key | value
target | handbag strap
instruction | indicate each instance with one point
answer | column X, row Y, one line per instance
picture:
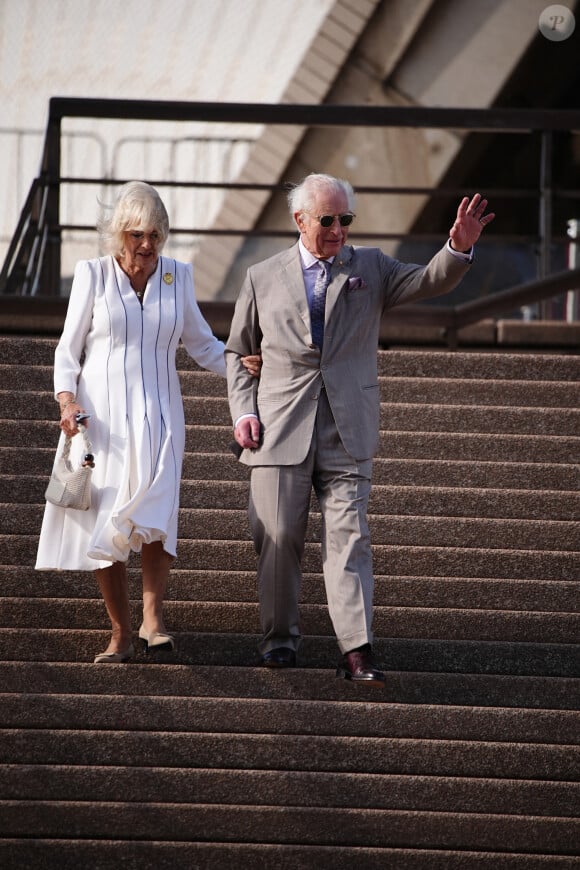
column 68, row 441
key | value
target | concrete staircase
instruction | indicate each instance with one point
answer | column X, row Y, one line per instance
column 470, row 756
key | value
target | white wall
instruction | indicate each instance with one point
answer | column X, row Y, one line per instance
column 194, row 50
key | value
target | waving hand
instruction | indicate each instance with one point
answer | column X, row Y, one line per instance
column 470, row 221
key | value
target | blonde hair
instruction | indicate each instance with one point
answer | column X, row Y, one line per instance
column 137, row 206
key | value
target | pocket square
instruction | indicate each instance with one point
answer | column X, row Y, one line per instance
column 356, row 283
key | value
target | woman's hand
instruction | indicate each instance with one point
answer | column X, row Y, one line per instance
column 68, row 422
column 253, row 364
column 69, row 408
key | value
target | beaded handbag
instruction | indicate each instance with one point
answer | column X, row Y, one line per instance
column 70, row 487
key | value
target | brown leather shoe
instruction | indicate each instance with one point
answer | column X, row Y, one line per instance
column 281, row 657
column 358, row 665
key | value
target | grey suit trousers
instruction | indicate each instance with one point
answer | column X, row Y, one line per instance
column 279, row 504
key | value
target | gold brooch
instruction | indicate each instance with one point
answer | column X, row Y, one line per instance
column 168, row 278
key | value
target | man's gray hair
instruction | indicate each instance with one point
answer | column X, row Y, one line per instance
column 301, row 197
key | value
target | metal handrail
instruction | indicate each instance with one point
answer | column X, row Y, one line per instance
column 315, row 115
column 42, row 249
column 448, row 318
column 452, row 318
column 40, row 259
column 35, row 263
column 16, row 256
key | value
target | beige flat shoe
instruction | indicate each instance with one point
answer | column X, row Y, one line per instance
column 115, row 658
column 156, row 641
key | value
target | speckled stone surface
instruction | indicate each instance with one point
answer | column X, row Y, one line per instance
column 200, row 758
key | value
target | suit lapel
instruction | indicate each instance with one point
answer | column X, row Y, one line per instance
column 339, row 276
column 294, row 280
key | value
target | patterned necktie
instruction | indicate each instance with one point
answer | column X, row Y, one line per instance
column 318, row 303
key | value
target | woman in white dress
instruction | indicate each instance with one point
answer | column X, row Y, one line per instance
column 116, row 362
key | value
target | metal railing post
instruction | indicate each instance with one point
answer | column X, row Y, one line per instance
column 50, row 274
column 545, row 215
column 573, row 296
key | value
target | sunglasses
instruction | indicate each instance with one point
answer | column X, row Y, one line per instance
column 327, row 220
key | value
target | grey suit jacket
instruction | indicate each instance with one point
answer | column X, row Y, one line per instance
column 272, row 314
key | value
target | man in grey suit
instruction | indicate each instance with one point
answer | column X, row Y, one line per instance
column 312, row 418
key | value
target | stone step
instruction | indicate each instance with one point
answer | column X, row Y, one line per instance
column 36, row 382
column 456, row 446
column 378, row 755
column 390, row 590
column 310, row 825
column 468, row 756
column 450, row 365
column 394, row 416
column 396, row 530
column 70, row 854
column 475, row 447
column 218, row 467
column 490, row 419
column 539, row 658
column 291, row 788
column 21, row 351
column 248, row 716
column 435, row 502
column 388, row 559
column 502, row 675
column 405, row 502
column 406, row 389
column 481, row 392
column 421, row 622
column 410, row 530
column 243, row 617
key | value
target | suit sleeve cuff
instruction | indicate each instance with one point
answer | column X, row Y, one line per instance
column 245, row 417
column 467, row 257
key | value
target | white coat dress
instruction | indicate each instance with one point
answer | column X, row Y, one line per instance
column 118, row 358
